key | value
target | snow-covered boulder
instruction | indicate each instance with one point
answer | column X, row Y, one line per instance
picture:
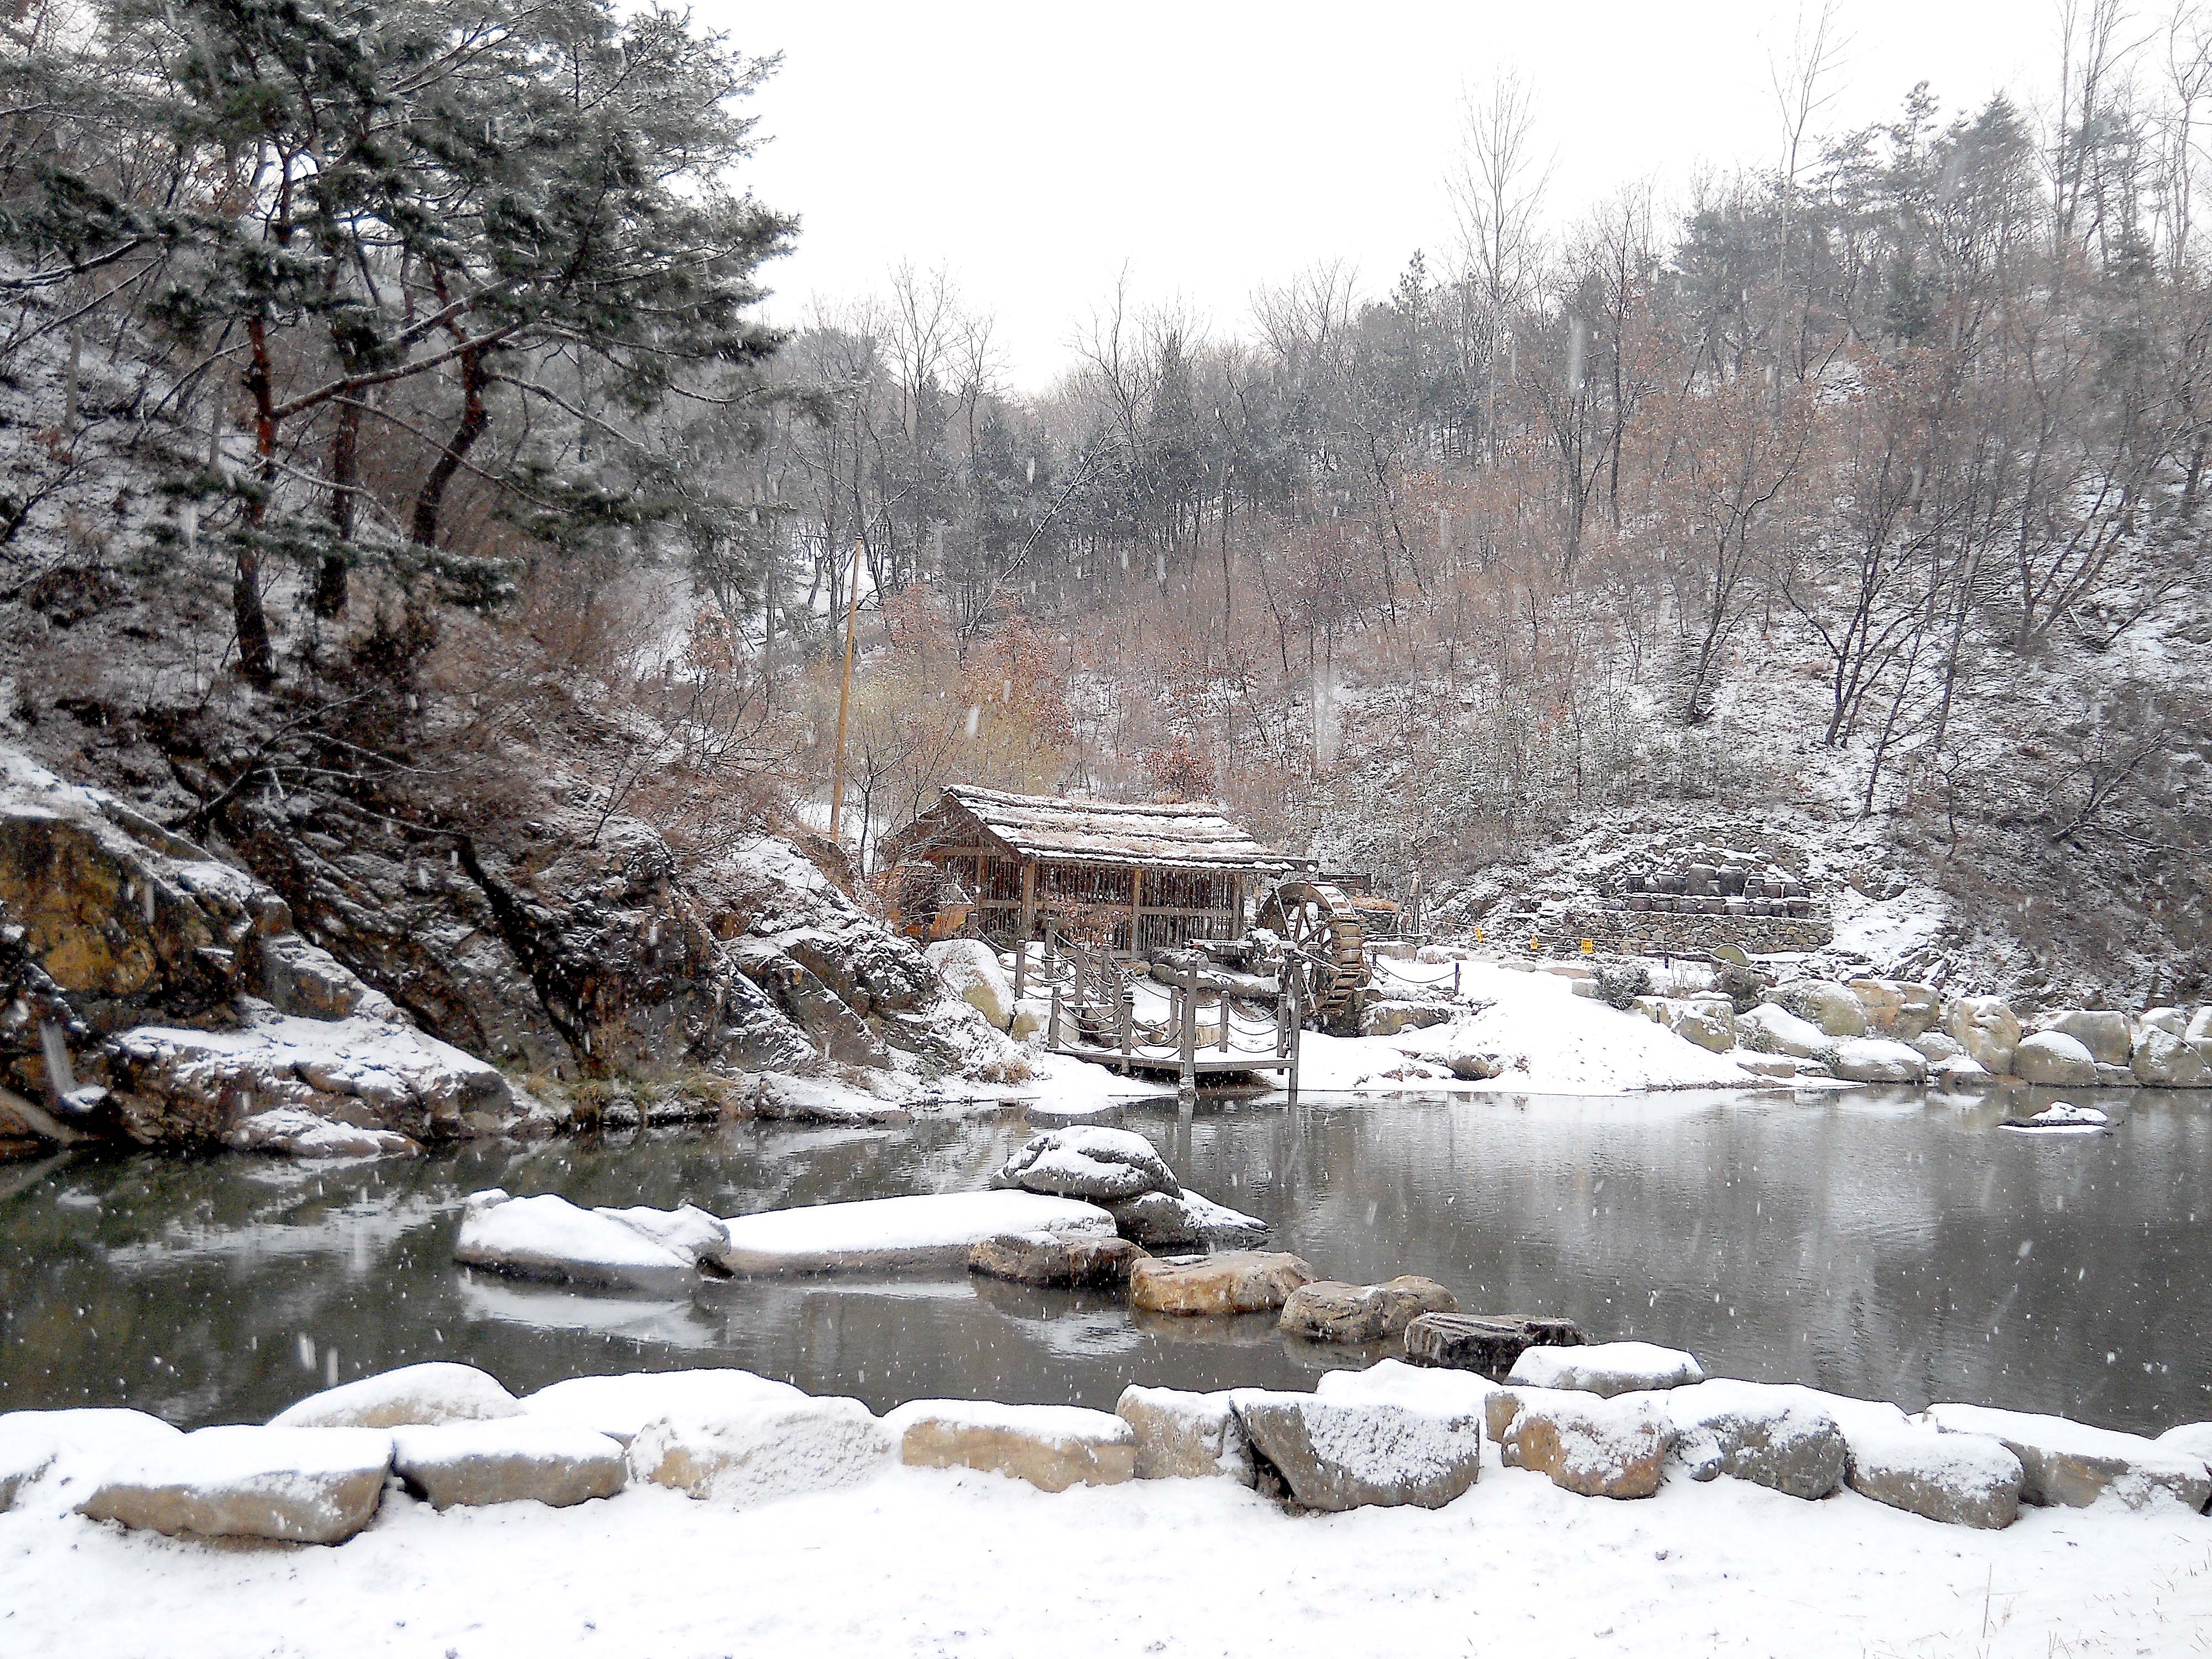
column 687, row 1229
column 437, row 1391
column 1106, row 1166
column 874, row 1234
column 2072, row 1464
column 1750, row 1431
column 295, row 1132
column 507, row 1461
column 970, row 970
column 1986, row 1027
column 1771, row 1028
column 1896, row 1008
column 302, row 1486
column 1236, row 1281
column 2055, row 1059
column 1606, row 1368
column 1833, row 1007
column 56, row 1452
column 549, row 1238
column 1585, row 1443
column 772, row 1448
column 1488, row 1343
column 2163, row 1060
column 2174, row 1022
column 1051, row 1447
column 1878, row 1059
column 1458, row 1397
column 2199, row 1029
column 1185, row 1221
column 1328, row 1310
column 2062, row 1117
column 2189, row 1440
column 1962, row 1479
column 2108, row 1035
column 1709, row 1022
column 1042, row 1258
column 1336, row 1454
column 1183, row 1435
column 619, row 1406
column 782, row 1099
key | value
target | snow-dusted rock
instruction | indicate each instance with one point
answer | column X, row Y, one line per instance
column 436, row 1392
column 1328, row 1310
column 1189, row 1221
column 783, row 1099
column 1709, row 1022
column 2108, row 1034
column 295, row 1132
column 1771, row 1028
column 507, row 1461
column 1042, row 1258
column 2199, row 1029
column 2054, row 1058
column 1183, row 1435
column 1833, row 1007
column 2069, row 1464
column 688, row 1231
column 873, row 1234
column 971, row 971
column 1896, row 1008
column 2190, row 1440
column 1051, row 1447
column 1585, row 1443
column 1106, row 1166
column 1236, row 1281
column 56, row 1452
column 1986, row 1027
column 1458, row 1397
column 772, row 1447
column 549, row 1238
column 2163, row 1060
column 302, row 1486
column 1963, row 1480
column 1389, row 1017
column 1936, row 1047
column 2174, row 1022
column 2063, row 1116
column 620, row 1405
column 1488, row 1343
column 1606, row 1368
column 1878, row 1059
column 1753, row 1432
column 1336, row 1454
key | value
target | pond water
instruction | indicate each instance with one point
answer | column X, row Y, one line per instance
column 1891, row 1246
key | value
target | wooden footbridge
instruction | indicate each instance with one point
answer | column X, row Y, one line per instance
column 1095, row 1018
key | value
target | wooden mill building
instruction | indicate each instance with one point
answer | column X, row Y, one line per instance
column 1127, row 878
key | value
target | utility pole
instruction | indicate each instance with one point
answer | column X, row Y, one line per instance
column 845, row 695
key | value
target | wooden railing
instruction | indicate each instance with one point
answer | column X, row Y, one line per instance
column 1094, row 1016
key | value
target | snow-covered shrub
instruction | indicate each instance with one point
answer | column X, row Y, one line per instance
column 1620, row 983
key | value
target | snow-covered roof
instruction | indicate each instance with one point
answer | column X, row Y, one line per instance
column 1178, row 834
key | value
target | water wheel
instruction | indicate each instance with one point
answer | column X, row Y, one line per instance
column 1322, row 929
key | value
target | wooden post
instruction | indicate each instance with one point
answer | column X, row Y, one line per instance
column 1052, row 1033
column 845, row 700
column 1136, row 911
column 1223, row 1008
column 1128, row 1014
column 1188, row 1063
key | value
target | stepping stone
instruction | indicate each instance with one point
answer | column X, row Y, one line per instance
column 1489, row 1343
column 1042, row 1258
column 1752, row 1432
column 1238, row 1281
column 1336, row 1454
column 1328, row 1310
column 438, row 1392
column 1459, row 1397
column 1051, row 1447
column 1586, row 1444
column 1606, row 1368
column 2072, row 1464
column 875, row 1235
column 620, row 1405
column 301, row 1486
column 507, row 1461
column 768, row 1447
column 1182, row 1436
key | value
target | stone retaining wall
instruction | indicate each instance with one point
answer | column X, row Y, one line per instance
column 1652, row 933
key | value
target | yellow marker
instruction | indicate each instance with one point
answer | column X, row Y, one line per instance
column 1478, row 936
column 1590, row 947
column 1536, row 944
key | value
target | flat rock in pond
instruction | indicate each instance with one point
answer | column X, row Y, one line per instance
column 2063, row 1116
column 1961, row 1479
column 619, row 1406
column 301, row 1486
column 1188, row 1221
column 1236, row 1281
column 1347, row 1454
column 1105, row 1166
column 687, row 1230
column 1750, row 1431
column 1182, row 1436
column 439, row 1391
column 771, row 1447
column 1051, row 1447
column 1584, row 1443
column 1042, row 1258
column 548, row 1237
column 934, row 1230
column 507, row 1461
column 1606, row 1368
column 1328, row 1310
column 1489, row 1343
column 1458, row 1397
column 2072, row 1464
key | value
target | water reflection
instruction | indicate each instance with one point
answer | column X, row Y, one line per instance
column 1885, row 1244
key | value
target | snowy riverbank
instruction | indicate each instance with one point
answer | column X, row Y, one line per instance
column 935, row 1562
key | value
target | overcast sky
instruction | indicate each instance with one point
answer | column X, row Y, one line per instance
column 1213, row 146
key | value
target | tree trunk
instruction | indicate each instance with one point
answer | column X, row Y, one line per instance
column 475, row 418
column 255, row 658
column 331, row 580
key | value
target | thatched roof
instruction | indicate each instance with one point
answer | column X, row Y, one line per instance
column 1180, row 834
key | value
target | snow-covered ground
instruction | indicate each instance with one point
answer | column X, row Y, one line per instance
column 932, row 1562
